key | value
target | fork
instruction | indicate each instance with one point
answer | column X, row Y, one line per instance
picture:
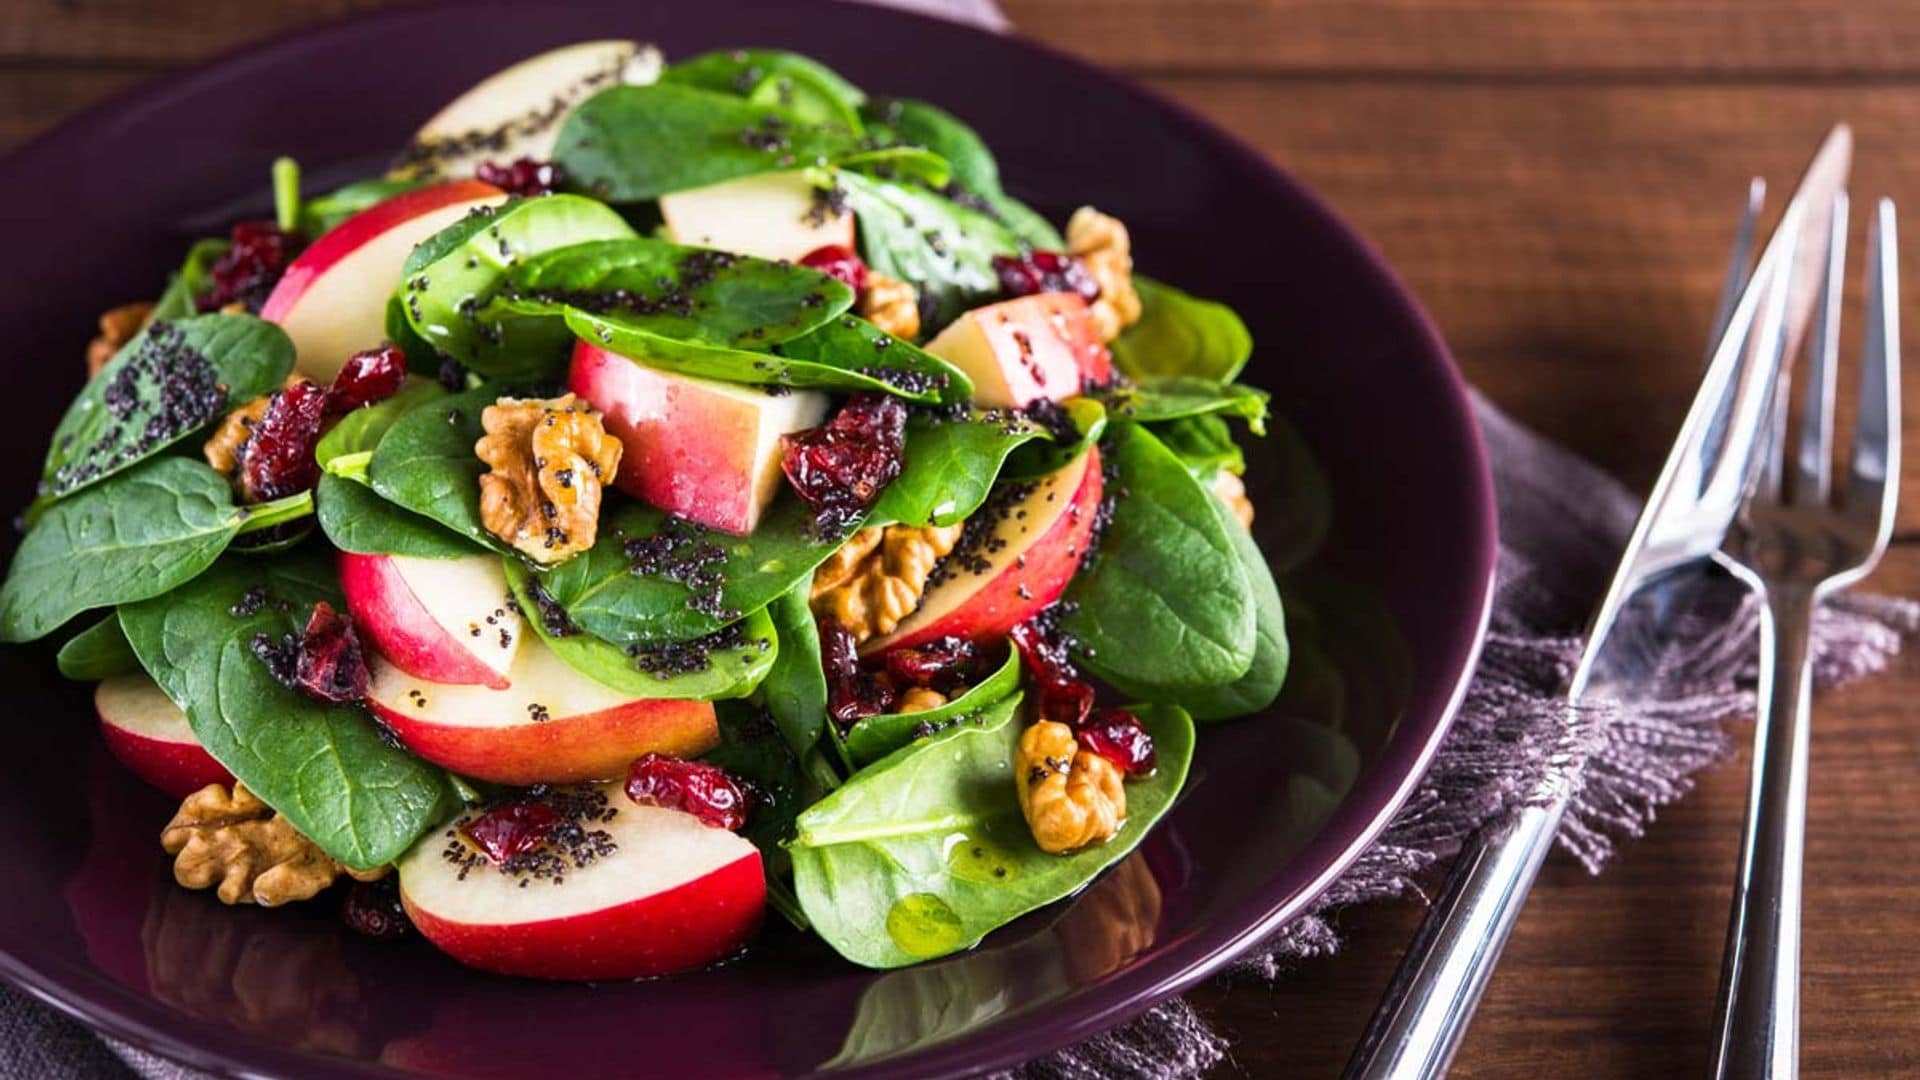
column 1796, row 543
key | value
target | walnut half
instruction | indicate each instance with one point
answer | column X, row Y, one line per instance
column 117, row 327
column 872, row 591
column 890, row 304
column 255, row 856
column 550, row 459
column 1101, row 242
column 1071, row 797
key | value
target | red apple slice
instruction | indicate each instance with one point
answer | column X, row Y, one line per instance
column 1030, row 347
column 151, row 736
column 553, row 724
column 708, row 451
column 332, row 301
column 1034, row 550
column 673, row 894
column 767, row 216
column 444, row 620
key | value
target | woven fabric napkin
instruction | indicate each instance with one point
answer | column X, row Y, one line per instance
column 1562, row 525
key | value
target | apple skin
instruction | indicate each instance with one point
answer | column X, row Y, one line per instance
column 151, row 737
column 1026, row 574
column 631, row 928
column 332, row 300
column 395, row 622
column 1030, row 347
column 705, row 450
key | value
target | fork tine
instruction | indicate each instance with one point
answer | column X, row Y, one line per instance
column 1739, row 263
column 1813, row 470
column 1771, row 345
column 1876, row 436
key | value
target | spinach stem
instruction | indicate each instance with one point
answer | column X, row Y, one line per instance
column 780, row 898
column 821, row 771
column 286, row 194
column 350, row 466
column 268, row 514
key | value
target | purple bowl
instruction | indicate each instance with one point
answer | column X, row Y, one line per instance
column 1389, row 614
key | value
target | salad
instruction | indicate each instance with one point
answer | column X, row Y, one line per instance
column 673, row 491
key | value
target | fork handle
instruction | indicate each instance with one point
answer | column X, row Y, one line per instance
column 1759, row 1009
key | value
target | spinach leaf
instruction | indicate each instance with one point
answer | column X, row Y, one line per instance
column 1258, row 688
column 975, row 172
column 1164, row 604
column 924, row 852
column 1180, row 334
column 803, row 86
column 194, row 278
column 98, row 652
column 321, row 213
column 875, row 737
column 633, row 143
column 360, row 431
column 425, row 463
column 752, row 750
column 796, row 687
column 357, row 520
column 1089, row 419
column 852, row 344
column 448, row 281
column 1204, row 444
column 950, row 467
column 324, row 766
column 138, row 535
column 943, row 248
column 172, row 379
column 682, row 580
column 735, row 665
column 1157, row 398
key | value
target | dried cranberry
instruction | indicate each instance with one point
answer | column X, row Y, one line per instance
column 330, row 665
column 1116, row 734
column 700, row 789
column 941, row 664
column 1044, row 271
column 367, row 377
column 512, row 829
column 836, row 261
column 373, row 908
column 853, row 694
column 247, row 271
column 841, row 467
column 1065, row 697
column 278, row 459
column 524, row 176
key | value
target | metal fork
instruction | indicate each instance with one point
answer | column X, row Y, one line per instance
column 1794, row 543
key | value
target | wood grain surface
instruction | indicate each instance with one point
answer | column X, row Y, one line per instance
column 1557, row 180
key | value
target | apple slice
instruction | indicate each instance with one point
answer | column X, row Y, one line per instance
column 672, row 894
column 1021, row 566
column 151, row 736
column 553, row 724
column 444, row 620
column 708, row 451
column 1030, row 347
column 332, row 301
column 768, row 216
column 517, row 113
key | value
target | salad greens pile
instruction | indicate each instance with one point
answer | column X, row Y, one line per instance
column 895, row 836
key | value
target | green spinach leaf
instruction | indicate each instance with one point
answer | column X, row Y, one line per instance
column 810, row 90
column 950, row 467
column 875, row 737
column 1181, row 334
column 1204, row 444
column 975, row 172
column 194, row 278
column 1040, row 459
column 324, row 766
column 360, row 431
column 920, row 236
column 321, row 213
column 1164, row 605
column 425, row 463
column 356, row 519
column 98, row 652
column 924, row 852
column 1157, row 398
column 850, row 344
column 751, row 749
column 796, row 688
column 171, row 380
column 1258, row 688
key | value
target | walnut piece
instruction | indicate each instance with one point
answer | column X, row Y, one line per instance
column 845, row 560
column 919, row 699
column 229, row 440
column 883, row 586
column 550, row 459
column 1071, row 797
column 117, row 327
column 1232, row 490
column 1101, row 242
column 254, row 855
column 890, row 304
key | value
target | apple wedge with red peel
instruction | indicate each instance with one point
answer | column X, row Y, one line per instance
column 517, row 112
column 552, row 724
column 1018, row 351
column 708, row 451
column 768, row 216
column 444, row 620
column 151, row 736
column 332, row 301
column 671, row 895
column 999, row 579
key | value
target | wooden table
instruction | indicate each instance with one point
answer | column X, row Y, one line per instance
column 1557, row 180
